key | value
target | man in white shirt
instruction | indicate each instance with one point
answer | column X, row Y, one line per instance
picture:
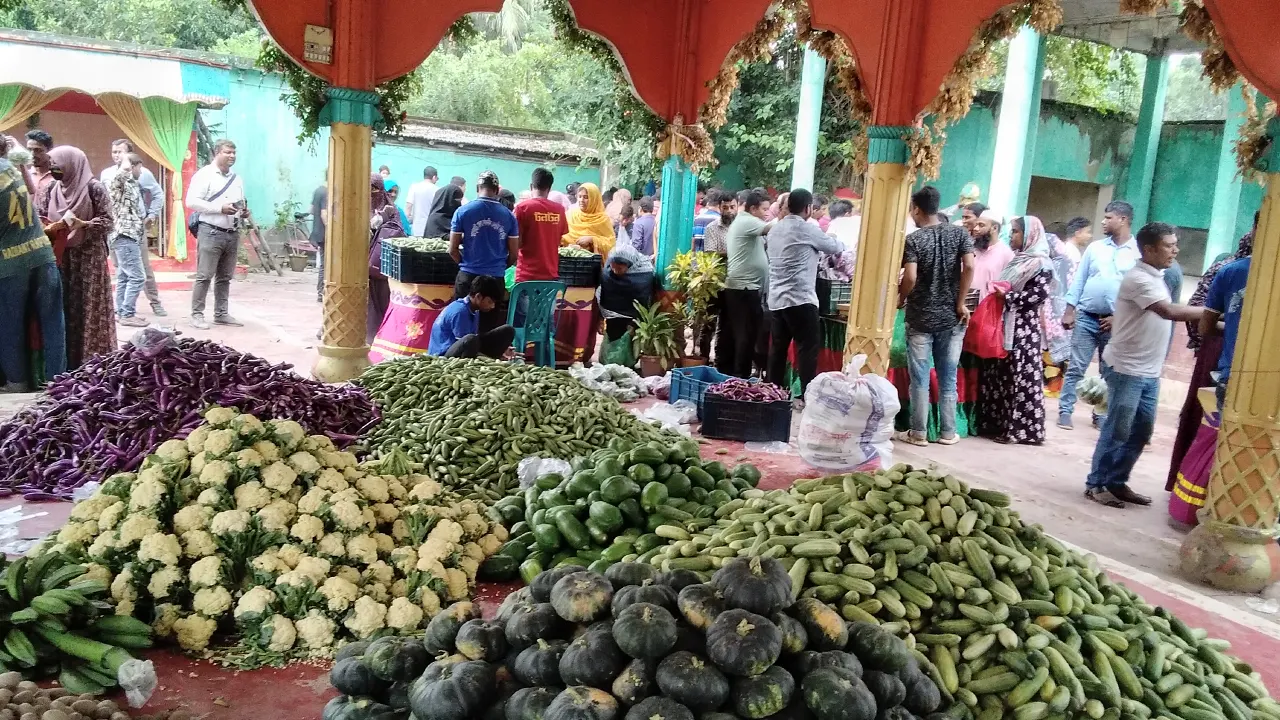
column 152, row 202
column 418, row 204
column 1134, row 358
column 844, row 224
column 217, row 194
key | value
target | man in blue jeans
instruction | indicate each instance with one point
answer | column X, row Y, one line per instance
column 1134, row 358
column 127, row 242
column 937, row 265
column 30, row 285
column 1091, row 301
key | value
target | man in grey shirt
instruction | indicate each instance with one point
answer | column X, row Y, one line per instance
column 794, row 245
column 152, row 202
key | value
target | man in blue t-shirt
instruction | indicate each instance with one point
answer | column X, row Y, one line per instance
column 456, row 331
column 483, row 240
column 1224, row 303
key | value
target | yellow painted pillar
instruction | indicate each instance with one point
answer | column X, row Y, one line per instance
column 343, row 352
column 1234, row 546
column 874, row 301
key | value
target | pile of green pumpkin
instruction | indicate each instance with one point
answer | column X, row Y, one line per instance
column 634, row 643
column 621, row 503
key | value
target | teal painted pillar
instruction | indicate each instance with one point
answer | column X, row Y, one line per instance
column 1146, row 139
column 1226, row 191
column 1016, row 129
column 813, row 79
column 675, row 220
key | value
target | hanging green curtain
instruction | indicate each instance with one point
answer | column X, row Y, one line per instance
column 171, row 124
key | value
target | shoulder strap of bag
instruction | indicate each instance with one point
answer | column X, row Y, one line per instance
column 218, row 194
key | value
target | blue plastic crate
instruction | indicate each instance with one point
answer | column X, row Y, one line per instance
column 691, row 383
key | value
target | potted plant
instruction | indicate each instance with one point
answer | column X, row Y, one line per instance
column 654, row 339
column 699, row 277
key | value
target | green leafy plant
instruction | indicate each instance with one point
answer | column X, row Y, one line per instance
column 655, row 333
column 284, row 213
column 699, row 276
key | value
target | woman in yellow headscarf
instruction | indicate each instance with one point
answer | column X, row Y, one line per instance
column 589, row 224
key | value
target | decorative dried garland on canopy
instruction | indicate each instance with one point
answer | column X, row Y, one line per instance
column 1253, row 141
column 955, row 96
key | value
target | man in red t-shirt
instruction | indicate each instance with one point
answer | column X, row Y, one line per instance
column 542, row 223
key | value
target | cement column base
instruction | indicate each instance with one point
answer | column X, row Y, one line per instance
column 340, row 364
column 1230, row 557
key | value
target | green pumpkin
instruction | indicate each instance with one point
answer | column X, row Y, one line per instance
column 763, row 695
column 923, row 696
column 629, row 595
column 352, row 676
column 678, row 579
column 540, row 588
column 717, row 716
column 700, row 605
column 539, row 664
column 692, row 681
column 455, row 691
column 352, row 649
column 887, row 689
column 743, row 643
column 635, row 682
column 593, row 658
column 358, row 708
column 794, row 636
column 629, row 573
column 480, row 640
column 826, row 629
column 659, row 708
column 582, row 703
column 808, row 660
column 443, row 628
column 759, row 585
column 398, row 695
column 835, row 693
column 689, row 639
column 530, row 703
column 397, row 659
column 582, row 597
column 877, row 649
column 530, row 623
column 645, row 630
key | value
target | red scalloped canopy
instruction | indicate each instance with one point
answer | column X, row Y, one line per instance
column 673, row 48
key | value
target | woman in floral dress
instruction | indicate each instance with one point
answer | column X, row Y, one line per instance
column 1013, row 387
column 87, row 298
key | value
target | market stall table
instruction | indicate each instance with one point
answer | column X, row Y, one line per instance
column 406, row 328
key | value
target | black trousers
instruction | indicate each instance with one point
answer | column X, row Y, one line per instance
column 491, row 344
column 740, row 315
column 704, row 340
column 763, row 333
column 488, row 320
column 799, row 323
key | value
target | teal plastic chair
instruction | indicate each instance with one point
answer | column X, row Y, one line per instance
column 539, row 321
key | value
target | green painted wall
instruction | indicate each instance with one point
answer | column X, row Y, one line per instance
column 1182, row 193
column 276, row 169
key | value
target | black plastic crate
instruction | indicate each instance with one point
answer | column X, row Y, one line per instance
column 412, row 266
column 725, row 419
column 831, row 295
column 580, row 271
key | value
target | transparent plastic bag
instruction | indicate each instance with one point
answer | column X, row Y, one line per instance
column 138, row 680
column 532, row 468
column 848, row 419
column 154, row 340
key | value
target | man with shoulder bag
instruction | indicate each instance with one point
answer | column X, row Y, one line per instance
column 216, row 202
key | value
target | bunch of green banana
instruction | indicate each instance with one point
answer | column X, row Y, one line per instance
column 54, row 621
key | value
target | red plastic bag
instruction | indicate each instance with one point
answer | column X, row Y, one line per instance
column 985, row 336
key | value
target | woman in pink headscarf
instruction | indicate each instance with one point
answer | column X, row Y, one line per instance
column 1013, row 386
column 77, row 197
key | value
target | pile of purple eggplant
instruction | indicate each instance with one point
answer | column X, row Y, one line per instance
column 748, row 391
column 106, row 416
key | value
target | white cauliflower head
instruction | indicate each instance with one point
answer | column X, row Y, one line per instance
column 268, row 450
column 206, row 572
column 317, row 569
column 137, row 527
column 307, row 529
column 221, row 443
column 315, row 631
column 426, row 489
column 304, row 463
column 111, row 516
column 314, row 501
column 363, row 549
column 194, row 632
column 215, row 473
column 166, row 615
column 333, row 545
column 404, row 615
column 147, row 494
column 198, row 544
column 91, row 508
column 282, row 633
column 212, row 602
column 192, row 517
column 278, row 476
column 247, row 458
column 162, row 548
column 373, row 488
column 173, row 451
column 277, row 515
column 332, row 480
column 220, row 417
column 162, row 581
column 195, row 441
column 368, row 617
column 254, row 604
column 339, row 594
column 230, row 521
column 251, row 496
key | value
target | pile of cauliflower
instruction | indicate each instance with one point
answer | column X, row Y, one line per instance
column 257, row 529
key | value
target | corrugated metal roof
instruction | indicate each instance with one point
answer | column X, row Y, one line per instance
column 489, row 138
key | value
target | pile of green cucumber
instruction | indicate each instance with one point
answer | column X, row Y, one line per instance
column 1012, row 622
column 624, row 502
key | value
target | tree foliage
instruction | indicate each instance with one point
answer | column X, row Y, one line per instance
column 1190, row 96
column 1082, row 72
column 189, row 24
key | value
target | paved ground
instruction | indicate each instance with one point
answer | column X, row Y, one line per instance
column 1136, row 545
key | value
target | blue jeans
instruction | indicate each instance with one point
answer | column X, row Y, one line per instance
column 1131, row 417
column 36, row 292
column 944, row 349
column 130, row 275
column 1086, row 339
